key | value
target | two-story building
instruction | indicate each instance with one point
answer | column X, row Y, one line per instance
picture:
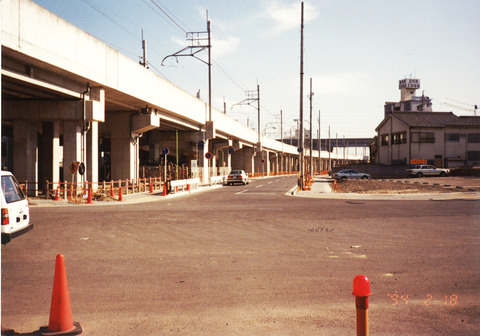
column 407, row 136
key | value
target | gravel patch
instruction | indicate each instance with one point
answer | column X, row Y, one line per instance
column 388, row 187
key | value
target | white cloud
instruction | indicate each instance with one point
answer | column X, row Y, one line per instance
column 288, row 16
column 222, row 47
column 342, row 83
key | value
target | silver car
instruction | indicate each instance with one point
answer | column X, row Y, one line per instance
column 350, row 174
column 238, row 176
column 427, row 170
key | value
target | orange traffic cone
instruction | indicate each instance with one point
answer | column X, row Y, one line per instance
column 164, row 193
column 61, row 321
column 111, row 190
column 151, row 187
column 120, row 194
column 188, row 187
column 57, row 193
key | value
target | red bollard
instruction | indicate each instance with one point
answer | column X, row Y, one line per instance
column 361, row 290
column 89, row 199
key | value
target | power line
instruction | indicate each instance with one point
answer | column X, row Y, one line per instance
column 168, row 16
column 109, row 18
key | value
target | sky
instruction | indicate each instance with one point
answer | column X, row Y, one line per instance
column 355, row 52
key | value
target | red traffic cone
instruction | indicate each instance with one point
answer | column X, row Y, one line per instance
column 151, row 187
column 57, row 193
column 188, row 187
column 164, row 193
column 61, row 321
column 120, row 194
column 111, row 190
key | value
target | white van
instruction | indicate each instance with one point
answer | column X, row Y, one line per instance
column 15, row 210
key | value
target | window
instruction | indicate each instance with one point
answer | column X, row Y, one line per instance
column 399, row 138
column 423, row 137
column 11, row 189
column 473, row 156
column 474, row 138
column 452, row 137
column 385, row 140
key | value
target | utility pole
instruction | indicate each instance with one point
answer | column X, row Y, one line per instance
column 259, row 145
column 329, row 148
column 319, row 145
column 143, row 60
column 196, row 39
column 311, row 131
column 336, row 146
column 300, row 140
column 281, row 139
column 252, row 97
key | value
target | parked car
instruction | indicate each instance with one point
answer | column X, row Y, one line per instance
column 350, row 174
column 15, row 210
column 238, row 176
column 426, row 170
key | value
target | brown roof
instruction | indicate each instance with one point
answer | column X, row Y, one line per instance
column 435, row 119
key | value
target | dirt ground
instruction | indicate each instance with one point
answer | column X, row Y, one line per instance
column 387, row 187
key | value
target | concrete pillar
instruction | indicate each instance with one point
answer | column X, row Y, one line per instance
column 57, row 155
column 277, row 169
column 124, row 152
column 72, row 148
column 92, row 154
column 203, row 163
column 249, row 160
column 49, row 154
column 262, row 167
column 228, row 157
column 25, row 154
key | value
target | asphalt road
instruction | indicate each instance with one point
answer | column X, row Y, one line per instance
column 250, row 260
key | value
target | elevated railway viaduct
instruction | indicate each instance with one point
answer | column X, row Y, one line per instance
column 67, row 97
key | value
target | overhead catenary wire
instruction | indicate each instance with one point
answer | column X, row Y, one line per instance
column 170, row 18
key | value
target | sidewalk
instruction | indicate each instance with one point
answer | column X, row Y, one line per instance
column 126, row 199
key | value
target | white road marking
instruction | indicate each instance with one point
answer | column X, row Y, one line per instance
column 241, row 192
column 261, row 185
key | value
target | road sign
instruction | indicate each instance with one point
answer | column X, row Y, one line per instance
column 81, row 168
column 165, row 151
column 74, row 167
column 208, row 155
column 201, row 144
column 231, row 150
column 299, row 149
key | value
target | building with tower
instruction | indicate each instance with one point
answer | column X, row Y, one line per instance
column 411, row 132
